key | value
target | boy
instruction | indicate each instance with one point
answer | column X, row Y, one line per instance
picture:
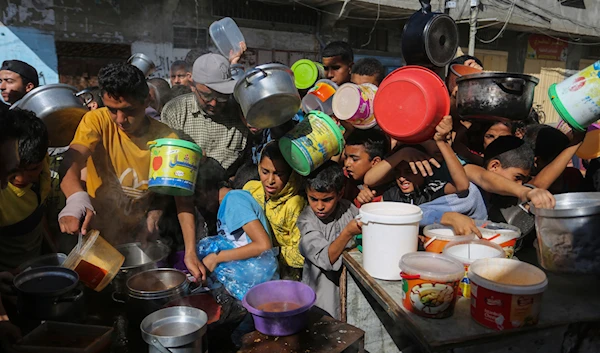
column 338, row 59
column 412, row 188
column 363, row 150
column 327, row 227
column 368, row 70
column 22, row 203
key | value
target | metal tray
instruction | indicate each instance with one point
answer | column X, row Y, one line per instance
column 60, row 337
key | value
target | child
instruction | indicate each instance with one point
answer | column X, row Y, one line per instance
column 22, row 211
column 278, row 194
column 338, row 59
column 327, row 228
column 364, row 149
column 412, row 188
column 368, row 70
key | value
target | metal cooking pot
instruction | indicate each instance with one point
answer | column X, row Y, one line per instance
column 179, row 329
column 429, row 38
column 267, row 95
column 49, row 293
column 567, row 235
column 142, row 62
column 55, row 259
column 58, row 107
column 150, row 290
column 495, row 95
column 138, row 260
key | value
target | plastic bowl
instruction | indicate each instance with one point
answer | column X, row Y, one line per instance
column 280, row 323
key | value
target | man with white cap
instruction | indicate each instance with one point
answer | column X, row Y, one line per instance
column 206, row 116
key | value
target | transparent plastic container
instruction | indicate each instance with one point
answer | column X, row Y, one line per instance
column 96, row 261
column 226, row 35
column 320, row 97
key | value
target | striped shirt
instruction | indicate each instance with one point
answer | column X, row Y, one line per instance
column 222, row 137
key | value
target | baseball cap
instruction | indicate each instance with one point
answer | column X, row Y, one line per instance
column 22, row 68
column 212, row 70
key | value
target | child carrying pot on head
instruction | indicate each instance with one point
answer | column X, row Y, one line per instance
column 278, row 193
column 328, row 228
column 413, row 188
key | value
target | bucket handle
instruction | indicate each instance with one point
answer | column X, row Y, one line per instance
column 115, row 297
column 156, row 343
column 429, row 242
column 252, row 73
column 70, row 298
column 151, row 143
column 359, row 218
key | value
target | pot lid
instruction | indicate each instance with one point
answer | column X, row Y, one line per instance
column 441, row 39
column 306, row 73
column 156, row 281
column 498, row 75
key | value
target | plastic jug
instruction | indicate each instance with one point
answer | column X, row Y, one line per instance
column 95, row 261
column 226, row 35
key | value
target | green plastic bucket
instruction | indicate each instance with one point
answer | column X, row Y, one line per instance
column 306, row 73
column 577, row 98
column 311, row 143
column 173, row 166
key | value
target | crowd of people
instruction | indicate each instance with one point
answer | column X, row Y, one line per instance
column 246, row 191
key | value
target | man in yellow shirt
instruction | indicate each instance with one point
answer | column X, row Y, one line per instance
column 116, row 138
column 22, row 203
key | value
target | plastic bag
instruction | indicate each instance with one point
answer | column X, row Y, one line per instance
column 241, row 275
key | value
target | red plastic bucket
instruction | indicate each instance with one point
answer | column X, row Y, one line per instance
column 410, row 102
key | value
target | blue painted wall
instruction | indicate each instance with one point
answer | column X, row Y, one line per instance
column 33, row 47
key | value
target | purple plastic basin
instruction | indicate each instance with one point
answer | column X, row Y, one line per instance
column 283, row 323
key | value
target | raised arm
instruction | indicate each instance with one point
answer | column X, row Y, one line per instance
column 460, row 182
column 547, row 176
column 78, row 202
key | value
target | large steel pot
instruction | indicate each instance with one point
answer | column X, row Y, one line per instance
column 429, row 38
column 58, row 107
column 267, row 95
column 151, row 290
column 49, row 293
column 179, row 329
column 137, row 260
column 495, row 95
column 142, row 62
column 567, row 235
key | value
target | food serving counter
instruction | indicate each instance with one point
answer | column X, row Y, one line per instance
column 569, row 319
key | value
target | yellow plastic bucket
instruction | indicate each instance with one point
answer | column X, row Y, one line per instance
column 173, row 166
column 311, row 143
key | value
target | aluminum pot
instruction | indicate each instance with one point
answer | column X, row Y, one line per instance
column 142, row 62
column 59, row 108
column 55, row 259
column 137, row 260
column 49, row 293
column 151, row 290
column 567, row 235
column 429, row 38
column 495, row 95
column 267, row 95
column 179, row 329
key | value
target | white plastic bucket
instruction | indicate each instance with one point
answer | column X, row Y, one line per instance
column 505, row 293
column 577, row 99
column 390, row 230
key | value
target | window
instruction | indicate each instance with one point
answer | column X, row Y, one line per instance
column 359, row 36
column 295, row 14
column 189, row 37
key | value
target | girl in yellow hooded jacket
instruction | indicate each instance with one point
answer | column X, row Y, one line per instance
column 278, row 193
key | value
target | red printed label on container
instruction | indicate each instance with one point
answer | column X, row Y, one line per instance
column 90, row 274
column 501, row 311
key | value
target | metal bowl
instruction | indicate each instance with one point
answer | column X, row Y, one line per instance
column 142, row 62
column 567, row 235
column 58, row 107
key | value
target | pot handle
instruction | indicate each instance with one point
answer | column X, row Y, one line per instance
column 115, row 296
column 252, row 73
column 359, row 218
column 512, row 85
column 197, row 288
column 70, row 298
column 425, row 6
column 156, row 343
